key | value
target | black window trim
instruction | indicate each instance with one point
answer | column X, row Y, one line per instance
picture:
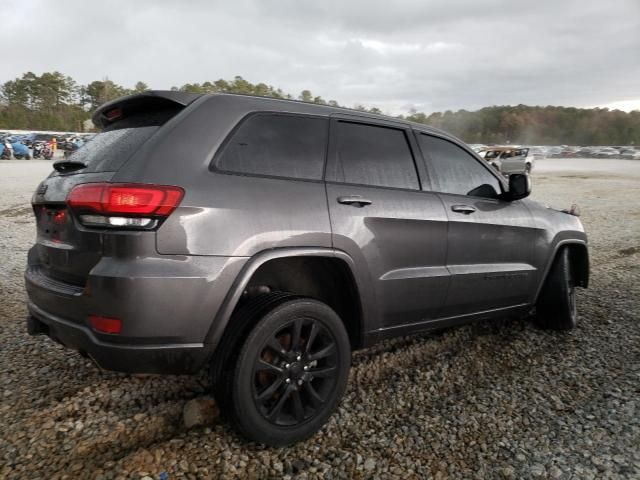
column 213, row 167
column 363, row 120
column 429, row 166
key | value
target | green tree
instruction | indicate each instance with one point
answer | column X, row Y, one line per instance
column 140, row 87
column 53, row 101
column 305, row 96
column 53, row 89
column 101, row 91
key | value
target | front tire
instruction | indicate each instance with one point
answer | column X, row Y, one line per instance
column 556, row 306
column 291, row 373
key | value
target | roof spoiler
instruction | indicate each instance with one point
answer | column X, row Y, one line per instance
column 110, row 112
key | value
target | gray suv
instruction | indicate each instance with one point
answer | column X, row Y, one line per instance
column 266, row 239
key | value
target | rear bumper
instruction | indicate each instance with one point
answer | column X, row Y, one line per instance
column 166, row 359
column 166, row 305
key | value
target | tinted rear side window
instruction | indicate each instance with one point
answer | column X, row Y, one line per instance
column 373, row 155
column 109, row 150
column 456, row 171
column 277, row 145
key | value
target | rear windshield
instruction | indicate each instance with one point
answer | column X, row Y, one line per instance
column 109, row 150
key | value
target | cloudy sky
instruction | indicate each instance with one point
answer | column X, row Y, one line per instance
column 424, row 54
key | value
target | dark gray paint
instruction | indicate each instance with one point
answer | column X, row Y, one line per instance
column 416, row 263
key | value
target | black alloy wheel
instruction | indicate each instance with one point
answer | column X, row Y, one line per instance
column 290, row 373
column 294, row 372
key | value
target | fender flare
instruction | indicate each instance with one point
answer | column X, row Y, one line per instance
column 556, row 249
column 222, row 318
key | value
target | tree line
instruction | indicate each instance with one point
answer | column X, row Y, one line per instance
column 56, row 102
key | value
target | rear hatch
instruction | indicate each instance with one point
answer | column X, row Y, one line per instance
column 66, row 250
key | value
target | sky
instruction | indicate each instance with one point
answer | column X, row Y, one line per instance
column 395, row 55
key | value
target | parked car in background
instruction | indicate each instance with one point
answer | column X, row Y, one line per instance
column 290, row 235
column 476, row 147
column 509, row 160
column 537, row 153
column 553, row 152
column 26, row 140
column 42, row 137
column 42, row 149
column 606, row 152
column 6, row 150
column 73, row 144
column 629, row 153
column 586, row 152
column 20, row 150
column 569, row 152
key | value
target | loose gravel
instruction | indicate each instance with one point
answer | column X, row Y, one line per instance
column 498, row 399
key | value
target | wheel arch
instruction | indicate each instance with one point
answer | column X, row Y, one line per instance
column 264, row 263
column 578, row 261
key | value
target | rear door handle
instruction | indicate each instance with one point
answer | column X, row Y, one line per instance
column 466, row 209
column 354, row 200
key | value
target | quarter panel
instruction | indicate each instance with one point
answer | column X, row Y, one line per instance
column 226, row 214
column 235, row 215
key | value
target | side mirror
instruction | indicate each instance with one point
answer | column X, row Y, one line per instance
column 519, row 186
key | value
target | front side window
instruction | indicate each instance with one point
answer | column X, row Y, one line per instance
column 456, row 171
column 373, row 155
column 277, row 145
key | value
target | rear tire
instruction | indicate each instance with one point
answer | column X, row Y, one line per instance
column 556, row 306
column 290, row 372
column 240, row 325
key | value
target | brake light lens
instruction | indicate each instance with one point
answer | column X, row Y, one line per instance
column 129, row 199
column 105, row 324
column 123, row 205
column 113, row 114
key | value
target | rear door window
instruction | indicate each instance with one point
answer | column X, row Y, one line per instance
column 278, row 145
column 372, row 155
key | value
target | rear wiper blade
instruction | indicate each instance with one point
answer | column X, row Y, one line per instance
column 65, row 166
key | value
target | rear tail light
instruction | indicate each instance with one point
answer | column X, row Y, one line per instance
column 105, row 324
column 123, row 205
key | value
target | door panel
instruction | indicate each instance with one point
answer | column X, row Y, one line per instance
column 393, row 230
column 490, row 241
column 400, row 238
column 514, row 161
column 511, row 165
column 490, row 254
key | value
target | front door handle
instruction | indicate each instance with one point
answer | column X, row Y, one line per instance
column 354, row 200
column 466, row 209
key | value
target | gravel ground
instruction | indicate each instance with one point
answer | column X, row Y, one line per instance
column 491, row 400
